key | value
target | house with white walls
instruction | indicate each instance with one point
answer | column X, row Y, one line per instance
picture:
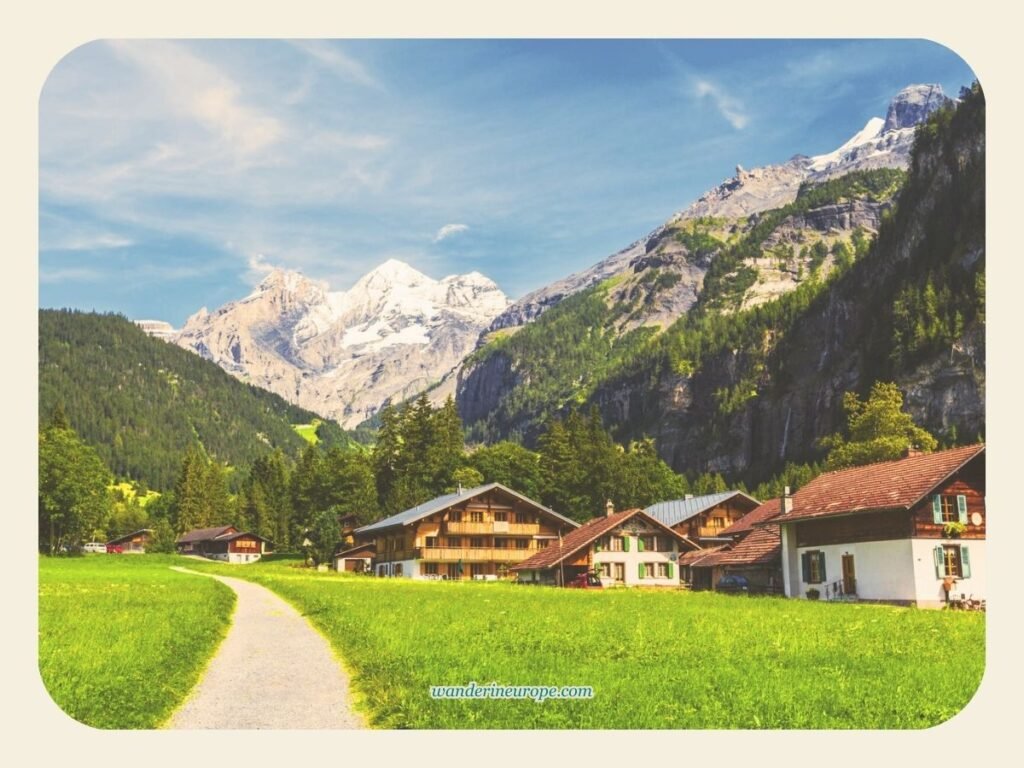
column 909, row 531
column 628, row 548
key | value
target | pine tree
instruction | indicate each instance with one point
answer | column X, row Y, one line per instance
column 189, row 502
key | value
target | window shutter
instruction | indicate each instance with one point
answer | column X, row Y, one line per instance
column 965, row 562
column 821, row 566
column 937, row 509
column 625, row 543
column 639, row 544
column 805, row 567
column 940, row 563
column 671, row 571
column 961, row 508
column 641, row 569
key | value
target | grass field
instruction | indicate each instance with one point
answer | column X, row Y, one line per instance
column 655, row 659
column 122, row 639
column 308, row 431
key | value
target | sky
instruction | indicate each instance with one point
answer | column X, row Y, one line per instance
column 174, row 174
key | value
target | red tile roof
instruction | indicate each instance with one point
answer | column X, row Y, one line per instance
column 586, row 534
column 761, row 547
column 898, row 484
column 745, row 524
column 699, row 556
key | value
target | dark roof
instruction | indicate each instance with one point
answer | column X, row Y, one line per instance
column 428, row 508
column 127, row 536
column 898, row 484
column 238, row 535
column 763, row 546
column 203, row 534
column 586, row 534
column 359, row 548
column 676, row 511
column 745, row 524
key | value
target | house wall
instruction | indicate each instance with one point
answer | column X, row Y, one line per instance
column 883, row 569
column 234, row 557
column 928, row 591
column 352, row 564
column 632, row 559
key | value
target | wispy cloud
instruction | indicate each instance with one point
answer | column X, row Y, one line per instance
column 448, row 230
column 729, row 107
column 331, row 57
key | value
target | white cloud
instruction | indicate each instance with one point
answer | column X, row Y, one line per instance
column 330, row 56
column 730, row 108
column 448, row 230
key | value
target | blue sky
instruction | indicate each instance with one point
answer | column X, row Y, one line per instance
column 174, row 174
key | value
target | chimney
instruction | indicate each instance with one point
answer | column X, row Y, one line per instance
column 609, row 508
column 912, row 450
column 458, row 491
column 787, row 501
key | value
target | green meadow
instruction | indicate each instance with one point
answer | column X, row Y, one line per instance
column 122, row 639
column 655, row 659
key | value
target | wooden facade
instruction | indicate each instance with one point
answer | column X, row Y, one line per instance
column 711, row 522
column 481, row 535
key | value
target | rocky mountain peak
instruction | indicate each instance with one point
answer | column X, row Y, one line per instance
column 912, row 105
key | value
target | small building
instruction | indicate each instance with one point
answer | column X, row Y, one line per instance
column 225, row 543
column 628, row 548
column 475, row 533
column 358, row 559
column 908, row 531
column 704, row 519
column 132, row 543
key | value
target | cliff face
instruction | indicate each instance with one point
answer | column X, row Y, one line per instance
column 932, row 245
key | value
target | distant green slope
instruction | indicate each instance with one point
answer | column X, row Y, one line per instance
column 141, row 401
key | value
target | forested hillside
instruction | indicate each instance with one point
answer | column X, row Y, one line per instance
column 141, row 402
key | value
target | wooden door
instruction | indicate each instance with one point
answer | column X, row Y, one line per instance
column 849, row 576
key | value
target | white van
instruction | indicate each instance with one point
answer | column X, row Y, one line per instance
column 95, row 546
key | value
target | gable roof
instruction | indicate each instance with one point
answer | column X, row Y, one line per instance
column 128, row 536
column 368, row 547
column 699, row 556
column 745, row 524
column 585, row 535
column 441, row 503
column 898, row 484
column 228, row 536
column 203, row 534
column 763, row 546
column 677, row 510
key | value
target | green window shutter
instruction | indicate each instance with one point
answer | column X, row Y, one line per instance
column 937, row 509
column 671, row 571
column 961, row 508
column 940, row 563
column 805, row 567
column 639, row 544
column 821, row 566
column 965, row 562
column 625, row 543
column 641, row 569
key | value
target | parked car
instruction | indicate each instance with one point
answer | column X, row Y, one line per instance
column 733, row 583
column 114, row 549
column 95, row 546
column 586, row 581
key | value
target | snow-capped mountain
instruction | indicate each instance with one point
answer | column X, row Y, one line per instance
column 882, row 143
column 345, row 353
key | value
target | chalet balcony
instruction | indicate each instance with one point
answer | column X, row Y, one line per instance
column 496, row 527
column 454, row 554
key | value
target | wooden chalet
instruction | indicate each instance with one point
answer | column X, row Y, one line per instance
column 478, row 533
column 628, row 548
column 225, row 543
column 910, row 531
column 704, row 519
column 357, row 559
column 133, row 543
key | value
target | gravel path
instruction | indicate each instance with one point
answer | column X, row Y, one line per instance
column 273, row 670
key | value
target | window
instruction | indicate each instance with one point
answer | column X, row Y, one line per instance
column 455, row 541
column 501, row 543
column 813, row 567
column 398, row 569
column 542, row 543
column 718, row 523
column 522, row 543
column 476, row 569
column 501, row 517
column 619, row 572
column 476, row 517
column 613, row 543
column 455, row 516
column 431, row 542
column 949, row 509
column 454, row 571
column 952, row 560
column 522, row 517
column 661, row 570
column 605, row 569
column 476, row 541
column 648, row 570
column 649, row 543
column 430, row 569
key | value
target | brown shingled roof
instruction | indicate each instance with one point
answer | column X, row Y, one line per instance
column 898, row 484
column 586, row 534
column 203, row 534
column 767, row 510
column 699, row 556
column 762, row 546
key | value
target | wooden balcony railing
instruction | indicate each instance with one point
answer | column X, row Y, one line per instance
column 454, row 554
column 496, row 528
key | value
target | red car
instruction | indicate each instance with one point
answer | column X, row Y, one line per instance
column 586, row 581
column 114, row 549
